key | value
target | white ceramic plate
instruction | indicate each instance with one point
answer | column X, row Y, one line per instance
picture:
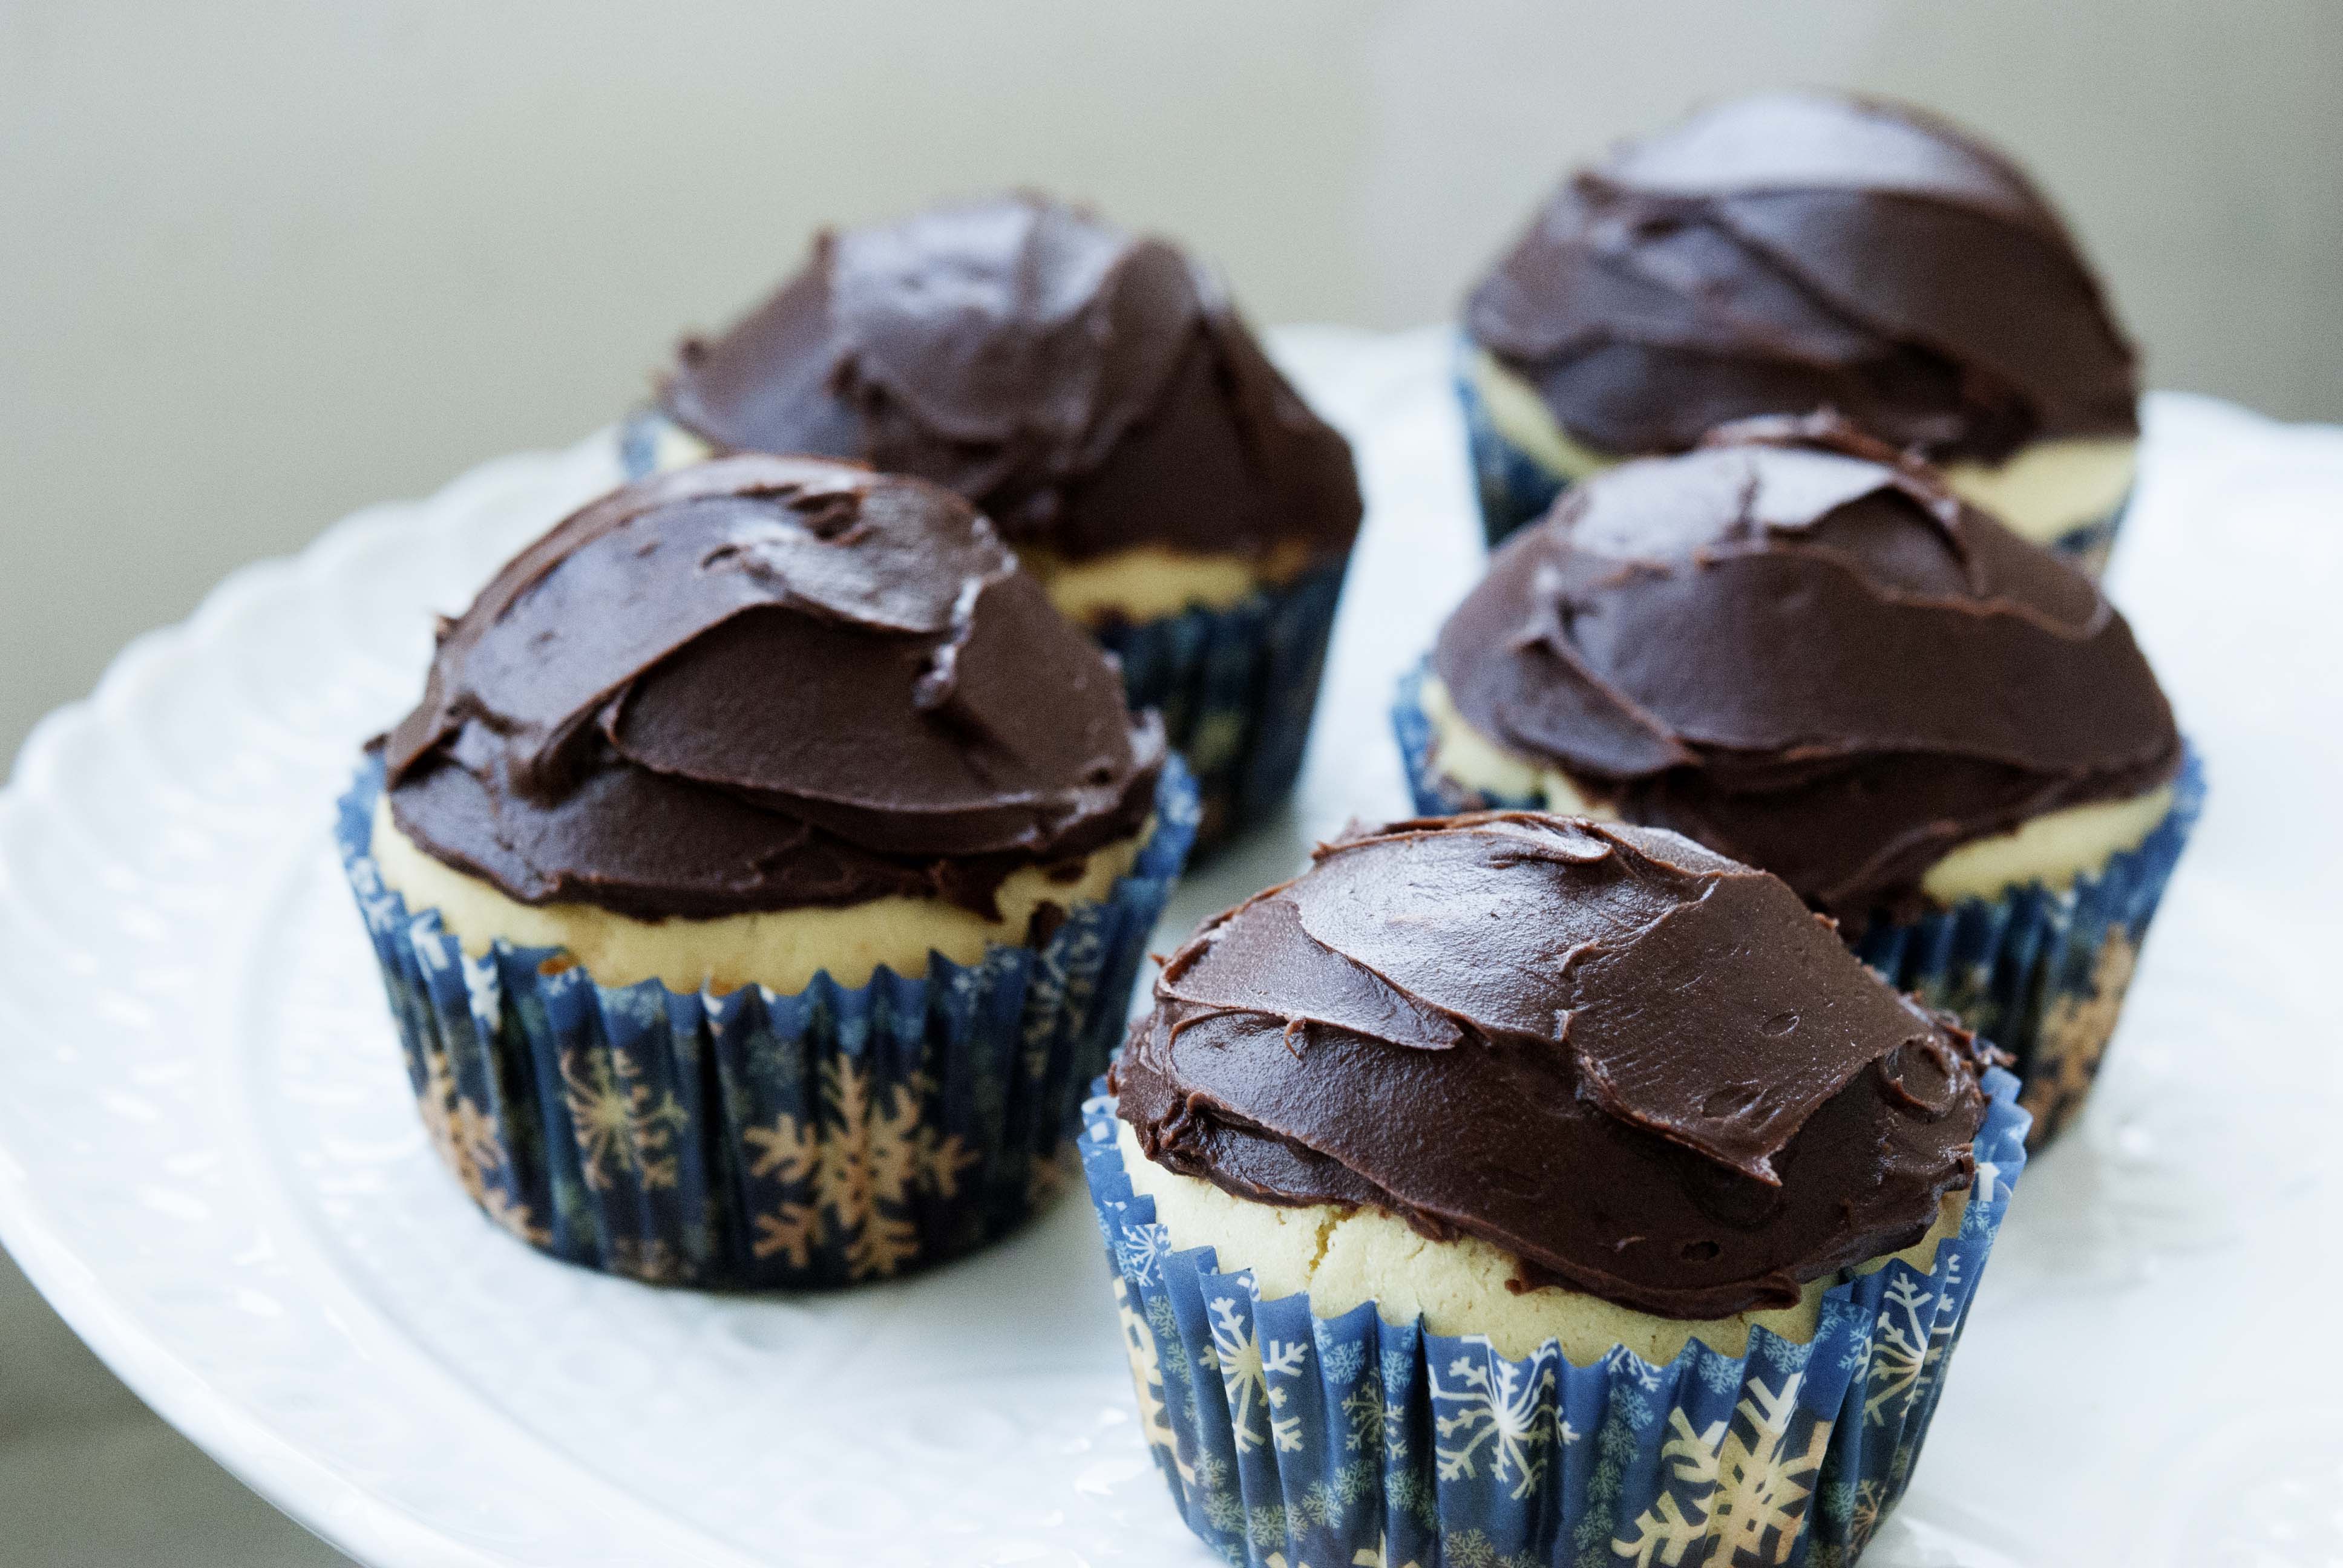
column 210, row 1163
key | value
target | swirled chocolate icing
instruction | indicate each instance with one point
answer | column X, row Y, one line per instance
column 1090, row 390
column 766, row 683
column 1801, row 649
column 1642, row 1070
column 1801, row 250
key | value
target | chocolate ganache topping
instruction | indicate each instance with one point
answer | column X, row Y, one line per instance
column 1800, row 648
column 1642, row 1070
column 1088, row 390
column 765, row 683
column 1801, row 250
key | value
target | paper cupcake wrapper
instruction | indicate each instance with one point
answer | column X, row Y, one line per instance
column 1516, row 489
column 1289, row 1439
column 1434, row 793
column 756, row 1141
column 2088, row 547
column 1237, row 687
column 638, row 440
column 2039, row 972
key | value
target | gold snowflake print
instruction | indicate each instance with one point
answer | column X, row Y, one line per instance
column 623, row 1127
column 1044, row 1182
column 853, row 1172
column 471, row 1145
column 649, row 1258
column 2074, row 1038
column 1147, row 1378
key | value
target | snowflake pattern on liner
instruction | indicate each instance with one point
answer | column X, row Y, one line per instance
column 753, row 1140
column 1289, row 1439
column 2040, row 973
column 1237, row 688
column 857, row 1171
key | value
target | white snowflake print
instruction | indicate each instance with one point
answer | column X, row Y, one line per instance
column 622, row 1126
column 1638, row 1370
column 851, row 1173
column 1736, row 1487
column 435, row 950
column 1330, row 1501
column 1501, row 1416
column 484, row 988
column 1473, row 1549
column 1908, row 1345
column 972, row 981
column 1721, row 1374
column 1856, row 1359
column 1339, row 1361
column 385, row 913
column 1044, row 992
column 1989, row 1183
column 1141, row 1250
column 1374, row 1424
column 1247, row 1365
column 1166, row 1325
column 1267, row 1523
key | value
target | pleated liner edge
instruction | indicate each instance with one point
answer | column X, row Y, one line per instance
column 759, row 1141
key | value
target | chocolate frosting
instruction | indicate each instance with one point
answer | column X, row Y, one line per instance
column 1088, row 390
column 1801, row 649
column 1642, row 1070
column 1801, row 250
column 764, row 683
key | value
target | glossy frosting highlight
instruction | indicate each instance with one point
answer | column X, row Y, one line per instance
column 1090, row 389
column 766, row 683
column 1795, row 251
column 1803, row 650
column 1646, row 1072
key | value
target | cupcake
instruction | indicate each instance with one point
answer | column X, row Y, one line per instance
column 1806, row 652
column 1096, row 396
column 1516, row 1188
column 761, row 880
column 1797, row 251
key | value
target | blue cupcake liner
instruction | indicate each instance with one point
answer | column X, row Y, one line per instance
column 1287, row 1438
column 1434, row 793
column 1516, row 489
column 2089, row 545
column 2040, row 973
column 638, row 437
column 1237, row 687
column 755, row 1141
